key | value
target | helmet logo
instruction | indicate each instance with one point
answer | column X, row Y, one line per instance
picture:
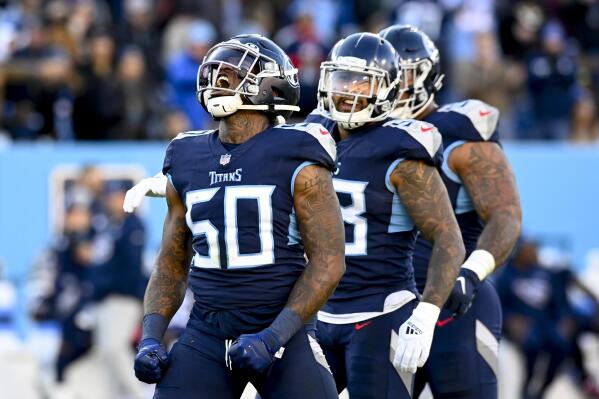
column 225, row 159
column 292, row 78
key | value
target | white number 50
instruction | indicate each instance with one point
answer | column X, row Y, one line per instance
column 262, row 194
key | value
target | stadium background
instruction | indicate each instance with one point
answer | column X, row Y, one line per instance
column 108, row 82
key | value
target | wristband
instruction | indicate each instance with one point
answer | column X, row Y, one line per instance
column 286, row 324
column 154, row 326
column 480, row 262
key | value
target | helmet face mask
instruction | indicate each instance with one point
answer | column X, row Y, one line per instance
column 236, row 75
column 359, row 83
column 353, row 94
column 414, row 96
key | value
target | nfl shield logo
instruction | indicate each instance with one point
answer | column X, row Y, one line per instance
column 225, row 159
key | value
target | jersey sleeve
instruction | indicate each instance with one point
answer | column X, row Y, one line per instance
column 413, row 139
column 470, row 120
column 311, row 142
column 168, row 159
column 169, row 163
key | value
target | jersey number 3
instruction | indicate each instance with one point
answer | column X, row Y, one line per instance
column 352, row 214
column 235, row 259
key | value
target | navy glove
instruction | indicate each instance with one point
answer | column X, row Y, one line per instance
column 151, row 360
column 463, row 293
column 255, row 352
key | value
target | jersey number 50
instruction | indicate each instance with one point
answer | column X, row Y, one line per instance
column 262, row 194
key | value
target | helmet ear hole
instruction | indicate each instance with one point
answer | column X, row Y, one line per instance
column 276, row 93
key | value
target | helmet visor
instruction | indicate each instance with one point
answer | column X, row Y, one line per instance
column 237, row 58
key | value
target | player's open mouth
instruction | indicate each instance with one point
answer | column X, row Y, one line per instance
column 222, row 81
column 346, row 105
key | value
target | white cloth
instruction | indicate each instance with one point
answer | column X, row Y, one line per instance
column 118, row 318
column 154, row 186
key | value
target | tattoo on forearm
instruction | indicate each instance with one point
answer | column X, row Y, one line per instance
column 168, row 282
column 425, row 197
column 490, row 182
column 321, row 226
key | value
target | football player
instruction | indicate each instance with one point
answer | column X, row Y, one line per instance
column 388, row 187
column 482, row 188
column 250, row 198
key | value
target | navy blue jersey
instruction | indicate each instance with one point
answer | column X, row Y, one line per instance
column 458, row 123
column 526, row 291
column 379, row 233
column 239, row 202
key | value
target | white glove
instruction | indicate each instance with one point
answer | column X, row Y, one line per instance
column 154, row 186
column 415, row 338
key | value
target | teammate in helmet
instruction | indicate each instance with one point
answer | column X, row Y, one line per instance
column 388, row 187
column 483, row 193
column 251, row 198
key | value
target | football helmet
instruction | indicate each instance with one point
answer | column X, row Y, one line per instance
column 247, row 72
column 359, row 81
column 420, row 67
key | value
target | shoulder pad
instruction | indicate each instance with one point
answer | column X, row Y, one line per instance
column 319, row 132
column 192, row 133
column 318, row 117
column 423, row 132
column 483, row 116
column 316, row 113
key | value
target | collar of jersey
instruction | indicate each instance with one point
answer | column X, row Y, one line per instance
column 217, row 148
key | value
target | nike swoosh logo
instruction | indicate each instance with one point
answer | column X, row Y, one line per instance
column 442, row 323
column 462, row 282
column 424, row 130
column 484, row 113
column 360, row 326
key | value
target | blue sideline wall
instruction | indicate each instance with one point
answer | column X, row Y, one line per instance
column 559, row 186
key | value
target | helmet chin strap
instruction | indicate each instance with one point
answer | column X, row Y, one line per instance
column 352, row 120
column 223, row 105
column 406, row 112
column 428, row 102
column 227, row 105
column 351, row 125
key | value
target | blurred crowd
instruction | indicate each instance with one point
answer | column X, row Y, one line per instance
column 91, row 280
column 126, row 69
column 547, row 309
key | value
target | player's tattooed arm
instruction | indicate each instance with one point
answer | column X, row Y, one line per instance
column 321, row 227
column 489, row 180
column 168, row 282
column 425, row 197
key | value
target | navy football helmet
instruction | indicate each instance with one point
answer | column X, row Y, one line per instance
column 247, row 72
column 359, row 81
column 421, row 71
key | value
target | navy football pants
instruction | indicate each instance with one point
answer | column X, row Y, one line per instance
column 463, row 359
column 199, row 370
column 361, row 355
